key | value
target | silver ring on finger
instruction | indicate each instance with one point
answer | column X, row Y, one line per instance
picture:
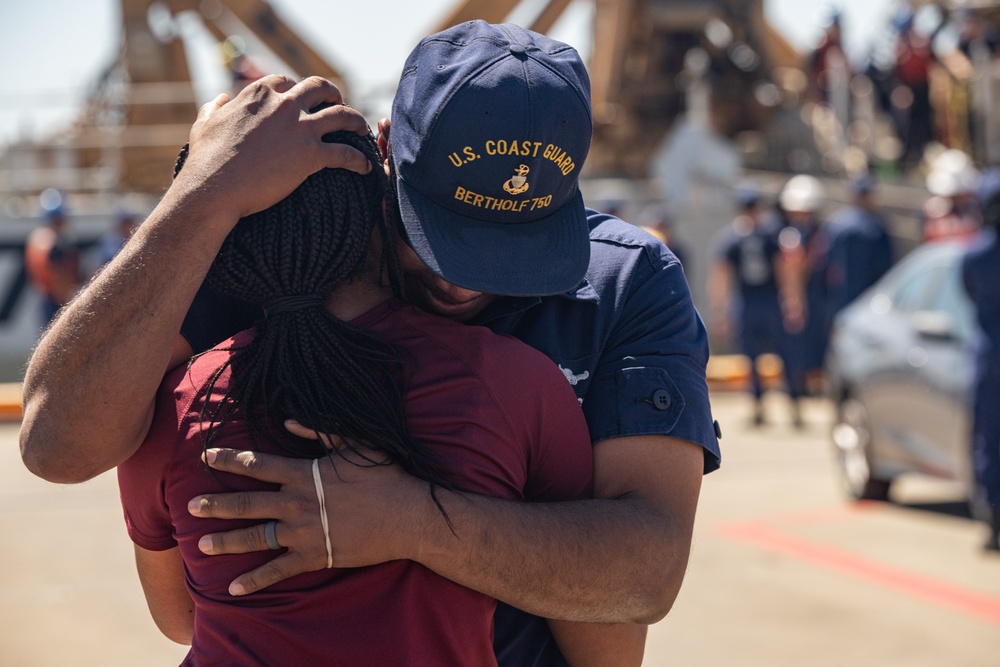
column 270, row 534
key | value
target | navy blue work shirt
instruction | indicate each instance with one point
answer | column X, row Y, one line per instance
column 752, row 254
column 860, row 253
column 629, row 341
column 981, row 278
column 634, row 348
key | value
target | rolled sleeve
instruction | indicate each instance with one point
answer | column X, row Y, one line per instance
column 651, row 376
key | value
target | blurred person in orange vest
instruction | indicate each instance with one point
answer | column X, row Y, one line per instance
column 51, row 261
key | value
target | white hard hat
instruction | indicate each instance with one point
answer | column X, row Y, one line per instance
column 952, row 160
column 952, row 173
column 802, row 194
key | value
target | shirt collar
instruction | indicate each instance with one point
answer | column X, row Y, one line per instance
column 509, row 305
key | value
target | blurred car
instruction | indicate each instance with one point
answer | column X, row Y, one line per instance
column 900, row 369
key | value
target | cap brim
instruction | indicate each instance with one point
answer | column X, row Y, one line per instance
column 546, row 256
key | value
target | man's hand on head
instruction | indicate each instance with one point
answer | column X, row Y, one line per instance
column 250, row 152
column 91, row 383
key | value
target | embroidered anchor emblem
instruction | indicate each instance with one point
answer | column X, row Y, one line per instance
column 573, row 378
column 518, row 183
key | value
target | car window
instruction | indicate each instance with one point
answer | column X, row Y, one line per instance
column 952, row 299
column 919, row 289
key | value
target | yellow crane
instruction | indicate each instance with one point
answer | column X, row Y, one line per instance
column 141, row 110
column 636, row 65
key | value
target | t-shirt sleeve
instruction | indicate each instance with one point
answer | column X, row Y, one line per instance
column 651, row 377
column 546, row 414
column 214, row 317
column 141, row 477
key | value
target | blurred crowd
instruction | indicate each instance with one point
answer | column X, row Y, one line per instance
column 780, row 273
column 930, row 76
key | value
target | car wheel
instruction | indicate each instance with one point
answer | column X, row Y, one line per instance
column 852, row 444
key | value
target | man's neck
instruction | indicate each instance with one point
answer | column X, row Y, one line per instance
column 355, row 299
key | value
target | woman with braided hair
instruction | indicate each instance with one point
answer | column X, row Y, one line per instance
column 340, row 350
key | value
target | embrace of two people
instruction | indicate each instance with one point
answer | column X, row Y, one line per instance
column 375, row 457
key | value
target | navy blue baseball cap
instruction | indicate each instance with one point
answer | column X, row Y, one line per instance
column 863, row 184
column 491, row 125
column 747, row 193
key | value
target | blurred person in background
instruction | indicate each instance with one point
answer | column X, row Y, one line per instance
column 656, row 220
column 952, row 211
column 912, row 96
column 829, row 53
column 830, row 70
column 975, row 36
column 242, row 69
column 860, row 247
column 802, row 277
column 981, row 277
column 50, row 258
column 743, row 287
column 111, row 242
column 967, row 98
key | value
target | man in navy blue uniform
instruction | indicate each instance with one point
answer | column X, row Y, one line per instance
column 746, row 255
column 491, row 125
column 860, row 249
column 981, row 276
column 804, row 244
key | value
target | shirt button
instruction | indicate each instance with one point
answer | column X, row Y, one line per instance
column 661, row 399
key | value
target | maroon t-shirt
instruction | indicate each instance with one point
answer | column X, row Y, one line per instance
column 498, row 412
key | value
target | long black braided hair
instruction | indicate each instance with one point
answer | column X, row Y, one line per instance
column 303, row 362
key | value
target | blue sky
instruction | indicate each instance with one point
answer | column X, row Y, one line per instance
column 52, row 50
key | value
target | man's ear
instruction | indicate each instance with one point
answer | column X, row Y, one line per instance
column 383, row 138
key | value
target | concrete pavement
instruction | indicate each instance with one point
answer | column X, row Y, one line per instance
column 783, row 572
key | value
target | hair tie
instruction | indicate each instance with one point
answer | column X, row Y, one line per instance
column 290, row 304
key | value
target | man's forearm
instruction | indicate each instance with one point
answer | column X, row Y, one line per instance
column 625, row 564
column 91, row 382
column 617, row 559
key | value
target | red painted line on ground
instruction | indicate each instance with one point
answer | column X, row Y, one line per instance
column 934, row 591
column 814, row 516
